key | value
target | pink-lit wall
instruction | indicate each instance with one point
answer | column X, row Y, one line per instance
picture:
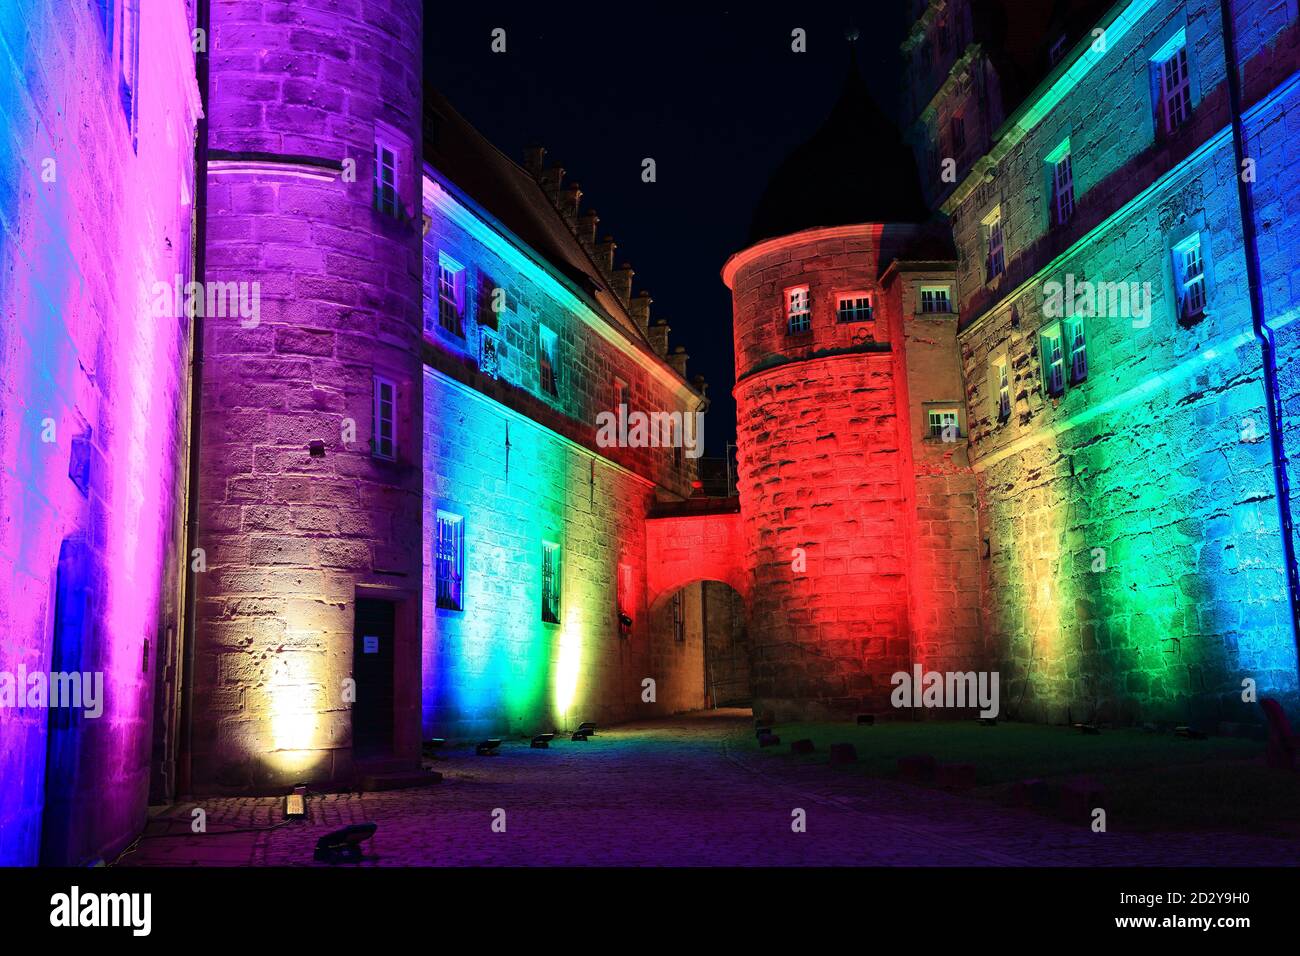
column 93, row 211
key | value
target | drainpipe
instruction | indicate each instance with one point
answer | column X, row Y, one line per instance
column 1268, row 346
column 203, row 20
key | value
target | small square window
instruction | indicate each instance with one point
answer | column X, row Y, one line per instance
column 1077, row 350
column 550, row 582
column 853, row 307
column 384, row 441
column 944, row 424
column 934, row 298
column 798, row 310
column 449, row 545
column 548, row 360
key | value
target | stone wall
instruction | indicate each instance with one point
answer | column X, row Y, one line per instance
column 1133, row 568
column 300, row 95
column 93, row 379
column 495, row 667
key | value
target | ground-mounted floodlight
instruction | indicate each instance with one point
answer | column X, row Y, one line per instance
column 488, row 748
column 866, row 720
column 1090, row 730
column 1190, row 733
column 988, row 721
column 578, row 735
column 295, row 804
column 588, row 728
column 344, row 846
column 542, row 741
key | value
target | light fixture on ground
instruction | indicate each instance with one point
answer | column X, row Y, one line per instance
column 542, row 741
column 587, row 728
column 295, row 804
column 344, row 846
column 488, row 748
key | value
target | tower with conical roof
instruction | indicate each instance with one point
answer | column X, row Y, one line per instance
column 857, row 499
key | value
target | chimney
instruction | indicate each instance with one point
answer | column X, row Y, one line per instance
column 586, row 230
column 570, row 200
column 658, row 335
column 550, row 181
column 535, row 160
column 678, row 360
column 621, row 283
column 640, row 309
column 605, row 254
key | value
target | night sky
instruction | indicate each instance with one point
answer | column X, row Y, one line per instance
column 715, row 96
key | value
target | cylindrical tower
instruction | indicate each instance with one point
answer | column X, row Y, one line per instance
column 823, row 418
column 306, row 658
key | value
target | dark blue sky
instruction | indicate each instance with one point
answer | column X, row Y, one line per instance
column 714, row 94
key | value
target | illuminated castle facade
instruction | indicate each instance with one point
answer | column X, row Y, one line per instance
column 361, row 499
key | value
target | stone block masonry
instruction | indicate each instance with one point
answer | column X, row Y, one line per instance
column 301, row 96
column 95, row 147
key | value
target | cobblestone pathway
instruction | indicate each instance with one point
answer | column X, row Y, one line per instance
column 687, row 791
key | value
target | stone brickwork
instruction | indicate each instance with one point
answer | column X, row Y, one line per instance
column 494, row 666
column 300, row 96
column 1133, row 569
column 92, row 407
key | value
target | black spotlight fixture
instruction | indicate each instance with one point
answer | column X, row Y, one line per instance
column 1090, row 729
column 988, row 721
column 432, row 746
column 578, row 735
column 542, row 741
column 488, row 748
column 344, row 846
column 588, row 728
column 866, row 720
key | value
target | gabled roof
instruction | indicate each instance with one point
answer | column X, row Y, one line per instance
column 502, row 188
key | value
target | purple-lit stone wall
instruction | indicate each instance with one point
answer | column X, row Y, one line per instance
column 92, row 213
column 300, row 94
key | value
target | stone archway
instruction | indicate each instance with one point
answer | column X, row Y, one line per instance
column 684, row 548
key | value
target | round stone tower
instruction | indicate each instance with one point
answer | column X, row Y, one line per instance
column 823, row 423
column 307, row 660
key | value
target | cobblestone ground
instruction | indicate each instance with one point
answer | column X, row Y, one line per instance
column 690, row 791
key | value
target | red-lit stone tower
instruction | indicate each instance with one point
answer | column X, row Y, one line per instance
column 310, row 495
column 859, row 513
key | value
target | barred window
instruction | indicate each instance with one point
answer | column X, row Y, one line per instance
column 449, row 548
column 550, row 582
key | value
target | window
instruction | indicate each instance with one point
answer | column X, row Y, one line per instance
column 798, row 311
column 548, row 365
column 622, row 393
column 1175, row 87
column 491, row 302
column 934, row 298
column 944, row 424
column 944, row 36
column 1002, row 382
column 957, row 129
column 449, row 548
column 1078, row 350
column 1062, row 176
column 995, row 263
column 854, row 307
column 384, row 442
column 1189, row 271
column 385, row 185
column 451, row 296
column 679, row 618
column 1053, row 360
column 550, row 582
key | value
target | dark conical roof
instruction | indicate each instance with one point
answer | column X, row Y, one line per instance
column 854, row 169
